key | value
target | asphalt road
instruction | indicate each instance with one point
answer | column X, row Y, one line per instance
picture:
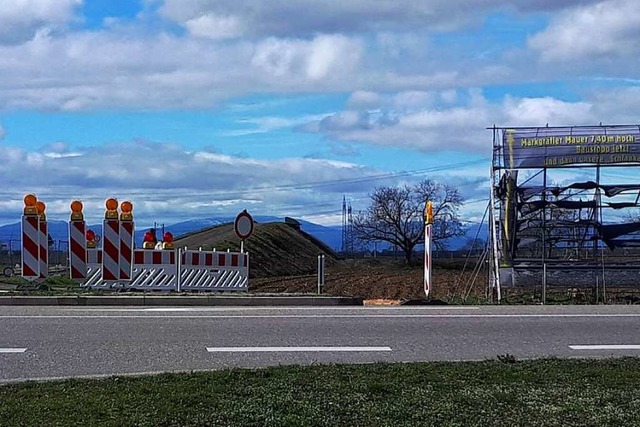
column 53, row 342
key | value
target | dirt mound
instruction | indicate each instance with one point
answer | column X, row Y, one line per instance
column 379, row 279
column 276, row 249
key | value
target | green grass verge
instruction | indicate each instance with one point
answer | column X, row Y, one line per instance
column 493, row 393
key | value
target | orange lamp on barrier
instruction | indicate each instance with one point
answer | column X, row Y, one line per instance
column 167, row 240
column 40, row 208
column 91, row 238
column 428, row 213
column 76, row 211
column 127, row 211
column 30, row 202
column 112, row 208
column 149, row 240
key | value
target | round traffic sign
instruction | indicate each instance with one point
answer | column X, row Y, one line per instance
column 243, row 225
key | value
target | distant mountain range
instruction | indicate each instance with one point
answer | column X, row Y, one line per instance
column 330, row 235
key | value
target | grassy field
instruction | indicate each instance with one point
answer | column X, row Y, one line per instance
column 492, row 393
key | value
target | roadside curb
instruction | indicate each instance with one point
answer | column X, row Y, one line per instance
column 169, row 300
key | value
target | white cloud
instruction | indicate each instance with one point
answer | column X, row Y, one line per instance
column 166, row 179
column 298, row 17
column 20, row 19
column 270, row 124
column 109, row 69
column 326, row 57
column 433, row 126
column 215, row 27
column 610, row 28
column 540, row 111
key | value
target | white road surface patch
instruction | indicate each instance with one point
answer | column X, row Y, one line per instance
column 293, row 349
column 323, row 316
column 277, row 308
column 12, row 350
column 606, row 347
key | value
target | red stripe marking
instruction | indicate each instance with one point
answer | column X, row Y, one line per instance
column 157, row 257
column 114, row 225
column 195, row 259
column 208, row 259
column 99, row 257
column 78, row 251
column 125, row 250
column 27, row 271
column 221, row 260
column 30, row 245
column 124, row 275
column 76, row 274
column 244, row 260
column 234, row 260
column 111, row 250
column 172, row 257
column 138, row 257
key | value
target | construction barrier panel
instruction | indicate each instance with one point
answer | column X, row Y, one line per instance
column 30, row 261
column 175, row 270
column 43, row 242
column 126, row 250
column 77, row 250
column 214, row 271
column 111, row 250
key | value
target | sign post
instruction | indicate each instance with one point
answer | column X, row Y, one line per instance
column 428, row 221
column 243, row 226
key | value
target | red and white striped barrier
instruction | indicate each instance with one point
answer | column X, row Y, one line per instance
column 214, row 259
column 43, row 241
column 126, row 250
column 154, row 257
column 427, row 260
column 214, row 271
column 118, row 265
column 30, row 261
column 94, row 257
column 111, row 250
column 77, row 250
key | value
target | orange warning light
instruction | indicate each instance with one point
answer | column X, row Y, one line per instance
column 428, row 214
column 127, row 208
column 167, row 240
column 76, row 211
column 91, row 238
column 112, row 208
column 40, row 208
column 30, row 202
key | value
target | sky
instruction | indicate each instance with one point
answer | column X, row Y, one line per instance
column 203, row 108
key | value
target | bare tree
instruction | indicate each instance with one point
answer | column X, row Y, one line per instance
column 396, row 215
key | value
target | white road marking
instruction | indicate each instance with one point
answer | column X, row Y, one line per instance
column 12, row 350
column 327, row 316
column 275, row 308
column 606, row 347
column 293, row 349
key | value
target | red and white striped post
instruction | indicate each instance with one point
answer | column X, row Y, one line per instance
column 43, row 240
column 30, row 247
column 428, row 222
column 77, row 243
column 111, row 242
column 126, row 241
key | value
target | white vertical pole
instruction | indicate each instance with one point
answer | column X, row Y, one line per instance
column 319, row 273
column 178, row 270
column 427, row 259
